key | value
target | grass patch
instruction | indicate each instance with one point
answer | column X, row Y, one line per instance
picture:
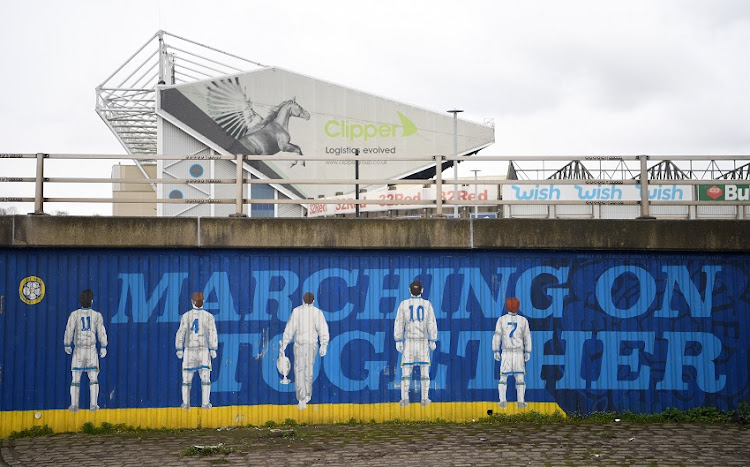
column 206, row 450
column 32, row 432
column 351, row 421
column 108, row 428
column 525, row 418
column 671, row 415
column 289, row 422
column 395, row 421
column 105, row 428
column 270, row 424
column 742, row 414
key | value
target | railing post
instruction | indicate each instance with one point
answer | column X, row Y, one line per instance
column 645, row 213
column 240, row 184
column 438, row 185
column 39, row 193
column 356, row 185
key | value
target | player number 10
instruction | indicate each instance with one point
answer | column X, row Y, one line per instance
column 420, row 313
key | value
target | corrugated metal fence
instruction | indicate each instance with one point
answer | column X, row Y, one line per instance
column 609, row 331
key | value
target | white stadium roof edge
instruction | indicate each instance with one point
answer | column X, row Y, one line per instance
column 127, row 99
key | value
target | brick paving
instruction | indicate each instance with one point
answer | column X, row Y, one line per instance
column 558, row 444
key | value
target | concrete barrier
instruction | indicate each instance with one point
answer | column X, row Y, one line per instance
column 570, row 234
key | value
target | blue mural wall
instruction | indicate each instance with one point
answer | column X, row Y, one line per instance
column 610, row 331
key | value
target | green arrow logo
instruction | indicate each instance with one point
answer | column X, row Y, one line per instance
column 408, row 126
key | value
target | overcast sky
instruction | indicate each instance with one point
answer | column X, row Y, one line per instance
column 558, row 77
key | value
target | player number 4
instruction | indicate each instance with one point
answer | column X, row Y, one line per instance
column 194, row 326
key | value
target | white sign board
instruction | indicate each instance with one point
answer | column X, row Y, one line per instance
column 277, row 112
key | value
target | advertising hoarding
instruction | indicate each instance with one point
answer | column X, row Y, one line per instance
column 400, row 193
column 728, row 192
column 274, row 111
column 596, row 192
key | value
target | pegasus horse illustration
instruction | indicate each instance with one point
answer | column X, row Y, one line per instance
column 230, row 107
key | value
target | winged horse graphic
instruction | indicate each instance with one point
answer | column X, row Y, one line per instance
column 230, row 107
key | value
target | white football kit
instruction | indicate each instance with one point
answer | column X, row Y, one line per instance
column 306, row 326
column 415, row 332
column 84, row 326
column 198, row 338
column 512, row 339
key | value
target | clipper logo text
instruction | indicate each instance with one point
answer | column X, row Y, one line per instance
column 353, row 130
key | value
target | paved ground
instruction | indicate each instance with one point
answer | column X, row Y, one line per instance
column 557, row 444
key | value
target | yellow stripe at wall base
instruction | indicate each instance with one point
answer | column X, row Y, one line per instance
column 62, row 421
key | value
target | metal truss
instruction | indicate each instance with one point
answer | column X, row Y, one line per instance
column 574, row 170
column 740, row 173
column 610, row 168
column 126, row 100
column 667, row 170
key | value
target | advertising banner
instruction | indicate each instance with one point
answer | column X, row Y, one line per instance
column 728, row 192
column 596, row 192
column 398, row 193
column 301, row 330
column 274, row 111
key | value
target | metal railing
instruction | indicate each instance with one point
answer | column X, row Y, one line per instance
column 437, row 183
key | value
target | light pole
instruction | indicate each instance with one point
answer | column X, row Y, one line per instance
column 476, row 207
column 455, row 113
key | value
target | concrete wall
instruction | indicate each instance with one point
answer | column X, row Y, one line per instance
column 568, row 234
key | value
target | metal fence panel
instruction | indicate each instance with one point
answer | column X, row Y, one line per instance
column 609, row 331
column 717, row 212
column 575, row 212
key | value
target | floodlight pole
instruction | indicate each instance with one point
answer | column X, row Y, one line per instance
column 455, row 113
column 162, row 54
